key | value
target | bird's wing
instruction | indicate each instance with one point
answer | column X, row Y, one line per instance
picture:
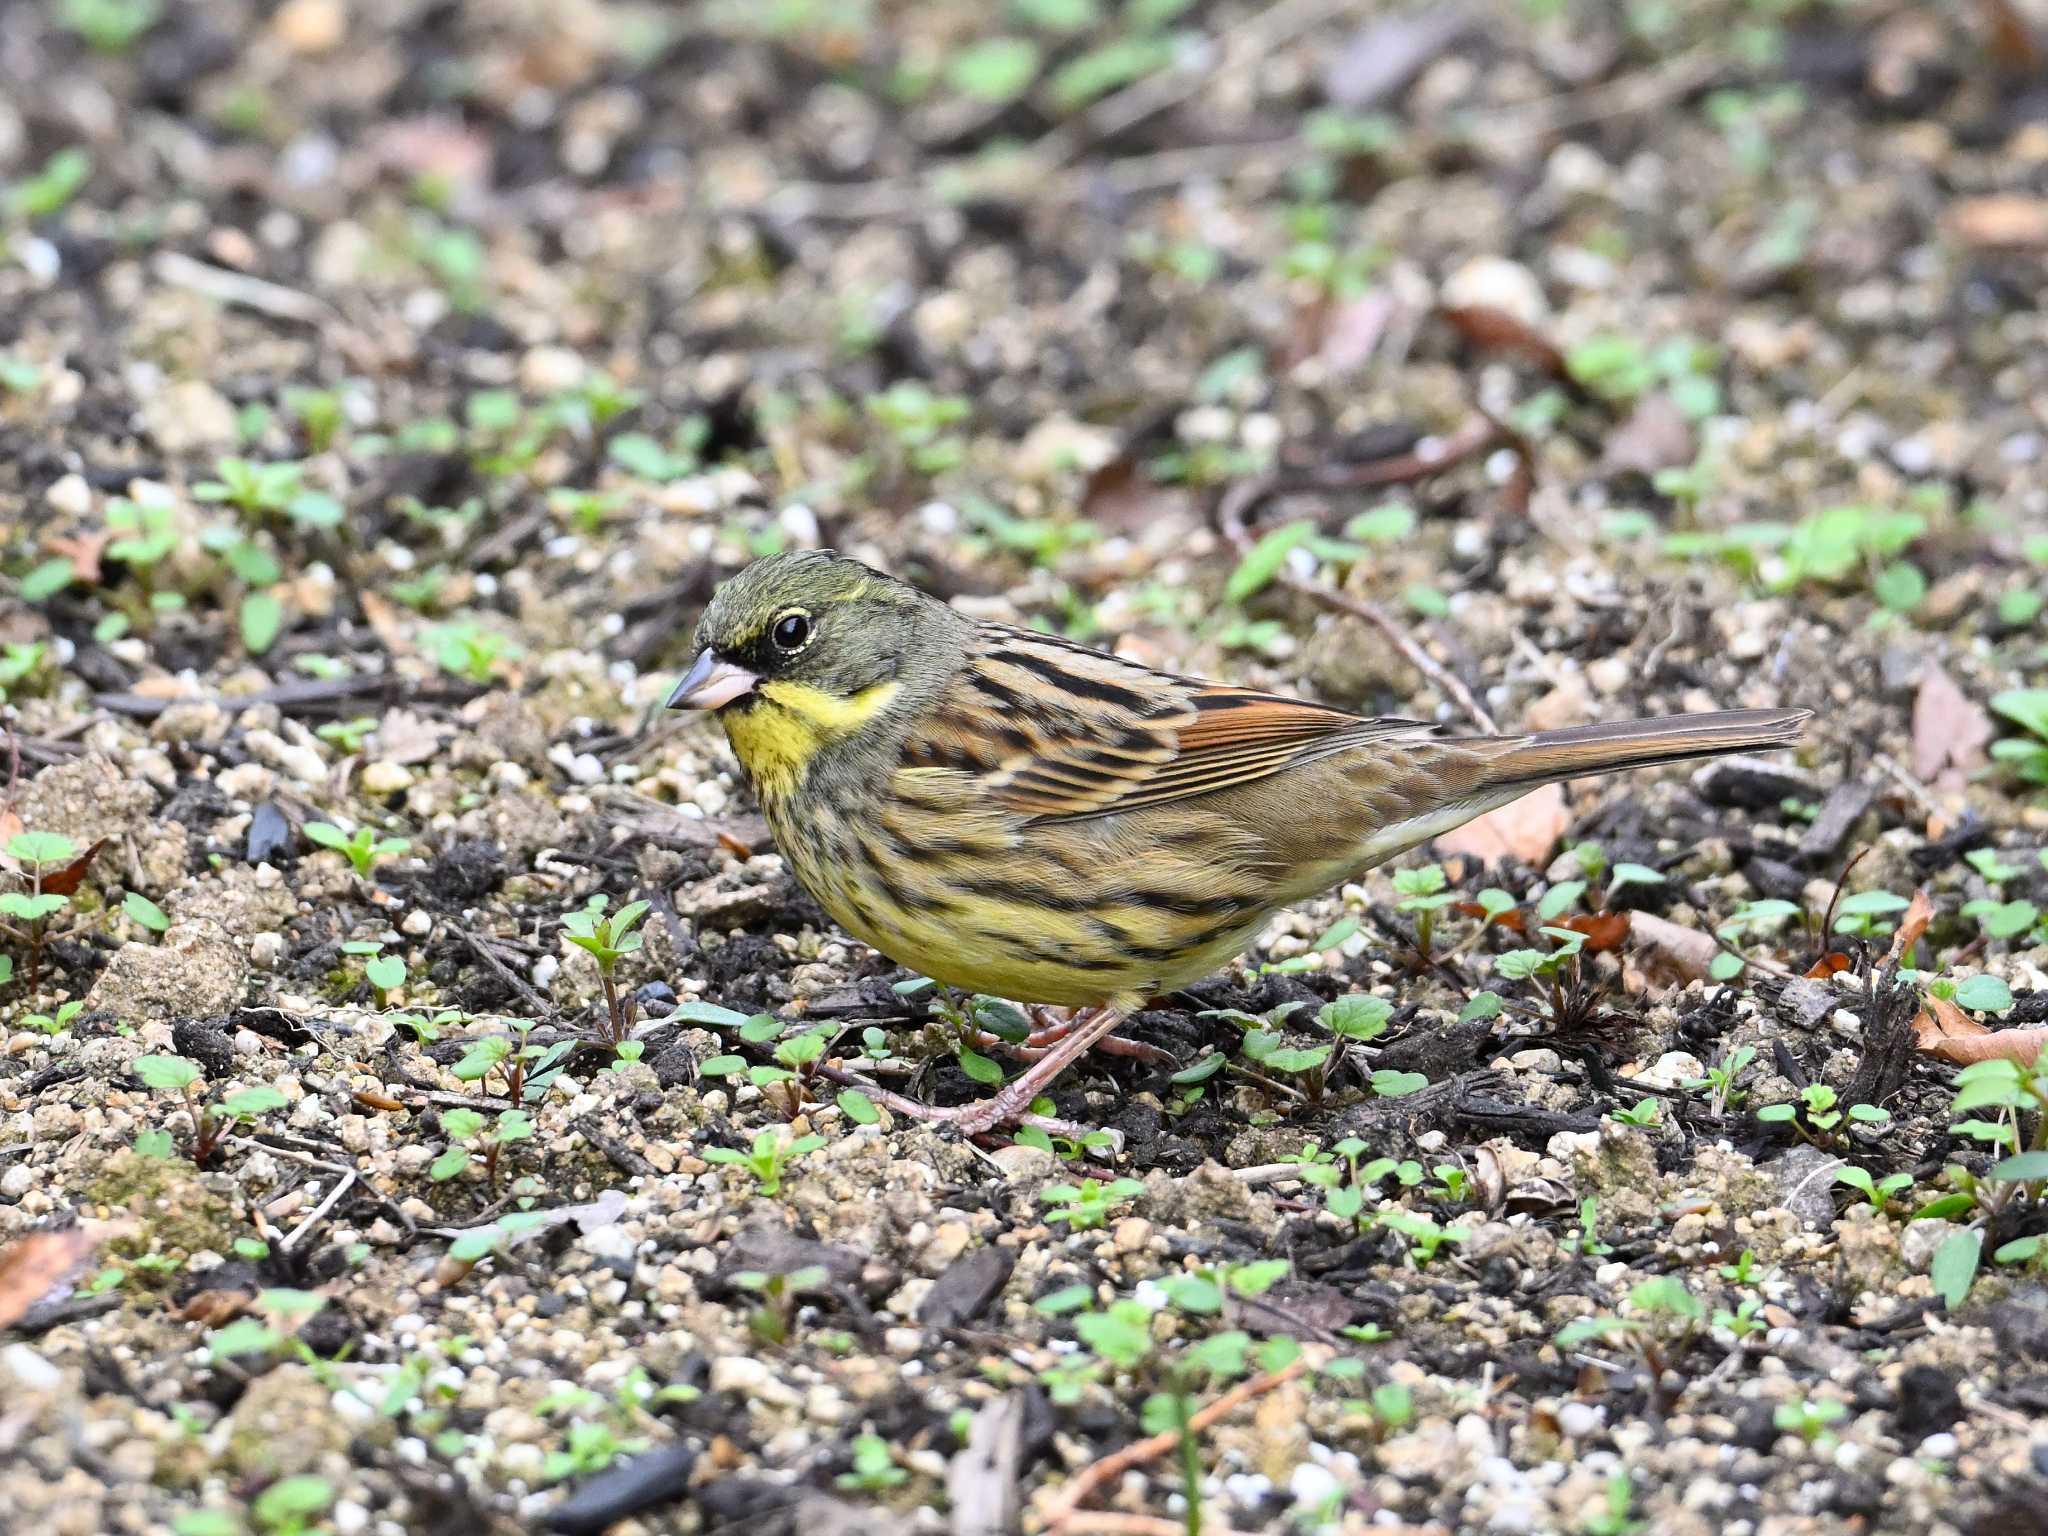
column 1056, row 730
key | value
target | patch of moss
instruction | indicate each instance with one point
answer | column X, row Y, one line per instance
column 178, row 1215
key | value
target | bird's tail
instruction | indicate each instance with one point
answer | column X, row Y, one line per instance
column 1612, row 747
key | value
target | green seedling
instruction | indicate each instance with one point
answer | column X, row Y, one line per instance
column 1811, row 1421
column 2027, row 754
column 211, row 1120
column 769, row 1159
column 607, row 938
column 465, row 1129
column 362, row 847
column 874, row 1467
column 1879, row 1192
column 1423, row 893
column 1721, row 1079
column 465, row 649
column 43, row 859
column 54, row 1023
column 1088, row 1204
column 780, row 1294
column 1817, row 1114
column 109, row 26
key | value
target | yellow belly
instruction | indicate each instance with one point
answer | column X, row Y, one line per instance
column 996, row 918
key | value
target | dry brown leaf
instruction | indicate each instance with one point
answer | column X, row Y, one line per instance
column 1949, row 732
column 1942, row 1029
column 1670, row 955
column 1352, row 331
column 2004, row 221
column 385, row 623
column 2013, row 45
column 39, row 1264
column 1604, row 931
column 1513, row 921
column 216, row 1308
column 1919, row 913
column 83, row 550
column 64, row 881
column 1655, row 435
column 1487, row 329
column 1525, row 829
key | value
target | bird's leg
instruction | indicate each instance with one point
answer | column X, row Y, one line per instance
column 1052, row 1025
column 1011, row 1104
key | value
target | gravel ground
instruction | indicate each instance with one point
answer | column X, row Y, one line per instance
column 385, row 386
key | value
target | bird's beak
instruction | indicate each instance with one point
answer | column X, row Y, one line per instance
column 711, row 684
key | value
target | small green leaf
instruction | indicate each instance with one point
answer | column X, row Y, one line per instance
column 1954, row 1267
column 700, row 1013
column 858, row 1107
column 262, row 618
column 249, row 1102
column 980, row 1068
column 47, row 580
column 41, row 848
column 2027, row 1165
column 996, row 69
column 1262, row 563
column 138, row 908
column 1983, row 994
column 171, row 1072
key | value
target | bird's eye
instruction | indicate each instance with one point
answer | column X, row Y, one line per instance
column 792, row 631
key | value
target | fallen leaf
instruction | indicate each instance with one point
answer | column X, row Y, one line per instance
column 1669, row 954
column 1919, row 913
column 84, row 551
column 406, row 738
column 1949, row 732
column 439, row 148
column 1513, row 920
column 38, row 1265
column 215, row 1308
column 1655, row 435
column 385, row 623
column 1352, row 331
column 1487, row 329
column 1385, row 54
column 72, row 875
column 1525, row 829
column 2004, row 221
column 2012, row 42
column 1604, row 931
column 1828, row 965
column 1944, row 1030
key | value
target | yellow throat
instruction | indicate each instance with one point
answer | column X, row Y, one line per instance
column 776, row 736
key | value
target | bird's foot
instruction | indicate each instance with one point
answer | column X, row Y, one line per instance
column 1053, row 1025
column 1011, row 1103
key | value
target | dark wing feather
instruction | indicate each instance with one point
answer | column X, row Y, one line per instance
column 1058, row 731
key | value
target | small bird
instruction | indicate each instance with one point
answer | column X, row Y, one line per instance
column 1011, row 813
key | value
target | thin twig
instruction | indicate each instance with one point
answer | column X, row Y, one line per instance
column 1099, row 1474
column 1241, row 499
column 504, row 973
column 238, row 288
column 319, row 1212
column 1105, row 1522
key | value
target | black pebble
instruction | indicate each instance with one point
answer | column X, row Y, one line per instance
column 269, row 834
column 659, row 1477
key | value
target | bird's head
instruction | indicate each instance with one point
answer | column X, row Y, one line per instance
column 810, row 631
